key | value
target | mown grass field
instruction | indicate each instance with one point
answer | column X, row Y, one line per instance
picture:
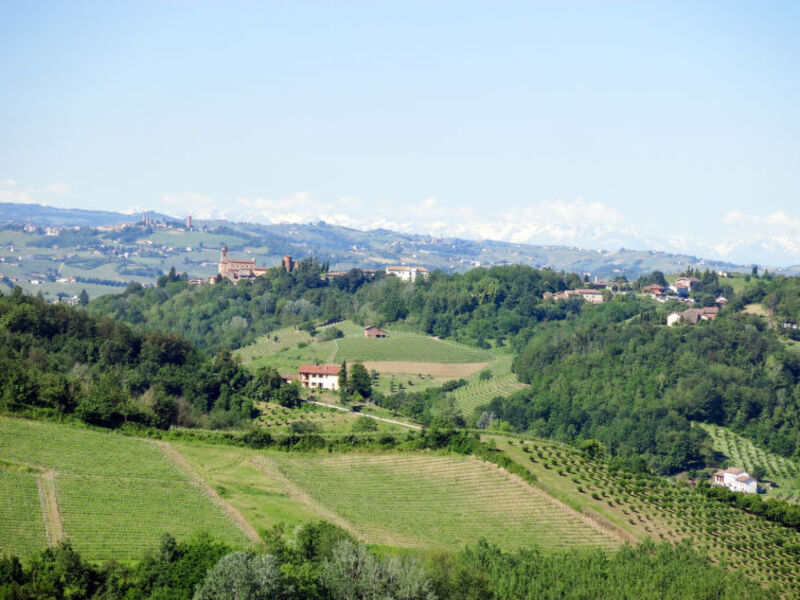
column 436, row 501
column 744, row 454
column 116, row 495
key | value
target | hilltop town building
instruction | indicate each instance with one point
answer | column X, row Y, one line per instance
column 319, row 377
column 237, row 269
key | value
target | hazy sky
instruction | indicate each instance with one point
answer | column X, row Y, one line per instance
column 666, row 125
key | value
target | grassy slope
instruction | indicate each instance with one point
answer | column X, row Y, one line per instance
column 116, row 495
column 743, row 453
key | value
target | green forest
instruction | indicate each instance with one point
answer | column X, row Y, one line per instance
column 59, row 361
column 321, row 562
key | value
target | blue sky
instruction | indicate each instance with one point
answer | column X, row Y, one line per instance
column 667, row 125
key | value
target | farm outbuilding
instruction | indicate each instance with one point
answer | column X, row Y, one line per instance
column 374, row 332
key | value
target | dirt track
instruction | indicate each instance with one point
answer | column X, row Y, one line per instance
column 234, row 514
column 426, row 368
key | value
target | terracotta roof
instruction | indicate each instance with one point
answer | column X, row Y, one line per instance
column 744, row 478
column 734, row 470
column 587, row 291
column 318, row 369
column 719, row 473
column 372, row 327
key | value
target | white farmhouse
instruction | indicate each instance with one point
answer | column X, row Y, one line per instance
column 408, row 273
column 319, row 377
column 736, row 480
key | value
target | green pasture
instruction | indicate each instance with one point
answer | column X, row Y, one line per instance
column 117, row 495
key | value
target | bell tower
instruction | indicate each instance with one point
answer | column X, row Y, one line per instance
column 223, row 260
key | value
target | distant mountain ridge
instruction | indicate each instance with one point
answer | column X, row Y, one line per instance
column 345, row 247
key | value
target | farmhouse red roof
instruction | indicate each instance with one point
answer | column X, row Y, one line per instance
column 318, row 369
column 734, row 470
column 743, row 478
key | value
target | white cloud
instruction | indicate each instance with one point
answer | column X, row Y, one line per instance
column 16, row 196
column 57, row 188
column 777, row 221
column 7, row 183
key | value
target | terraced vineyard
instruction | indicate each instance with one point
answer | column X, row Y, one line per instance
column 116, row 495
column 417, row 348
column 478, row 392
column 743, row 453
column 22, row 529
column 437, row 501
column 763, row 550
column 268, row 345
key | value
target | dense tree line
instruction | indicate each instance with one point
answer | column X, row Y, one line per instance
column 322, row 562
column 58, row 360
column 482, row 306
column 621, row 377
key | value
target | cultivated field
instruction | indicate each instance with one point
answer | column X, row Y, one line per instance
column 744, row 454
column 415, row 348
column 477, row 392
column 436, row 501
column 663, row 509
column 115, row 495
column 404, row 360
column 311, row 418
column 22, row 528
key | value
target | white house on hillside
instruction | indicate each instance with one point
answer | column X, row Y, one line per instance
column 319, row 377
column 736, row 480
column 408, row 273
